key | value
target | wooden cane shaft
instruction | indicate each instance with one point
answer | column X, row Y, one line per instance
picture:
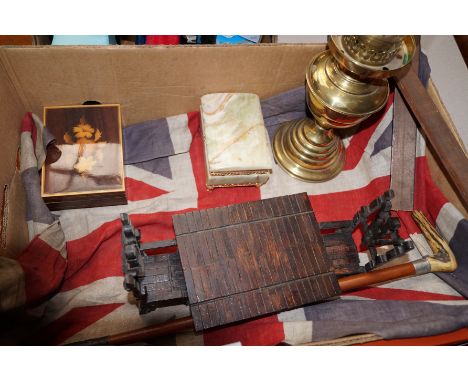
column 365, row 279
column 143, row 334
column 174, row 326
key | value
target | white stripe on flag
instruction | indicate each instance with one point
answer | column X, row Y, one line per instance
column 429, row 283
column 40, row 150
column 297, row 332
column 36, row 228
column 292, row 315
column 180, row 134
column 448, row 219
column 420, row 144
column 352, row 297
column 104, row 291
column 53, row 235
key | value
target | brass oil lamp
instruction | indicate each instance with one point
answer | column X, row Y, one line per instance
column 344, row 86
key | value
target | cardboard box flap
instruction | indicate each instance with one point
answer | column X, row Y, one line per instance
column 153, row 81
column 13, row 232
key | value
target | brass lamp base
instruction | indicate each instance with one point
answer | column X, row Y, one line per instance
column 307, row 151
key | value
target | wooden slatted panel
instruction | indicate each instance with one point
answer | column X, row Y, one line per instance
column 252, row 259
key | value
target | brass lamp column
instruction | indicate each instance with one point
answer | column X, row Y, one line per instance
column 344, row 85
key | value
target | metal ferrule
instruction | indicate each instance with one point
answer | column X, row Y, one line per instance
column 422, row 266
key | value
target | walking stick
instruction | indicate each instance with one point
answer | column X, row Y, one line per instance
column 441, row 260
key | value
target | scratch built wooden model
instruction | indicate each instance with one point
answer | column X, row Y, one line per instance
column 246, row 260
column 243, row 261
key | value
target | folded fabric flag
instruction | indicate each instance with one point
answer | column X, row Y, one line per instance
column 74, row 262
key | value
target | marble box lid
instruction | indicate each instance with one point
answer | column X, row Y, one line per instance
column 234, row 134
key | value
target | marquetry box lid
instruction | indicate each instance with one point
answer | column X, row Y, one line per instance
column 89, row 171
column 252, row 259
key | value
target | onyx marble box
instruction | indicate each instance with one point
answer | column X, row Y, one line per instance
column 237, row 147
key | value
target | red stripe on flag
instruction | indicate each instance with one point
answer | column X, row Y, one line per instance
column 343, row 205
column 402, row 294
column 138, row 190
column 94, row 256
column 220, row 196
column 261, row 332
column 359, row 140
column 44, row 269
column 427, row 196
column 408, row 225
column 72, row 322
column 27, row 124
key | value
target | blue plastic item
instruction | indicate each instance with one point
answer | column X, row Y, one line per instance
column 83, row 40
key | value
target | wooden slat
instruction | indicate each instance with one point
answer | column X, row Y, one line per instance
column 308, row 259
column 298, row 251
column 288, row 245
column 259, row 249
column 231, row 277
column 277, row 229
column 438, row 133
column 316, row 242
column 403, row 155
column 277, row 250
column 251, row 257
column 205, row 222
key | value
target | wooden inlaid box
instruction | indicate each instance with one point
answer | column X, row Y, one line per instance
column 89, row 171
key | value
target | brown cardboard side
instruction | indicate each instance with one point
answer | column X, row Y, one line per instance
column 17, row 236
column 154, row 81
column 11, row 112
column 438, row 175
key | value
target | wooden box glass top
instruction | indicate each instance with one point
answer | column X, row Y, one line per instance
column 91, row 161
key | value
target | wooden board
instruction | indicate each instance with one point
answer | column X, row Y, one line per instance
column 251, row 259
column 403, row 155
column 438, row 133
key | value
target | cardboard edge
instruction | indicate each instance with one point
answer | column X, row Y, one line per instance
column 160, row 47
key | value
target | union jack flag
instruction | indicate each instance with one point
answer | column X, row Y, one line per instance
column 71, row 272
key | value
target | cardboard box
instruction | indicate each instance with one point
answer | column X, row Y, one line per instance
column 147, row 81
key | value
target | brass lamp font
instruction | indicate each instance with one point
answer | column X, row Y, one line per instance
column 344, row 86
